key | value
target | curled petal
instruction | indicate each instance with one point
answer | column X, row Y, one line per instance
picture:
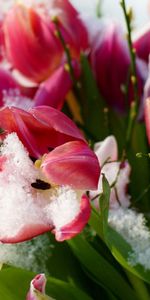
column 76, row 226
column 39, row 129
column 54, row 90
column 73, row 164
column 147, row 118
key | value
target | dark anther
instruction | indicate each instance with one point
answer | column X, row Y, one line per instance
column 41, row 185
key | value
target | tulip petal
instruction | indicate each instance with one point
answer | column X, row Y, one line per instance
column 108, row 48
column 75, row 28
column 117, row 173
column 39, row 129
column 147, row 118
column 72, row 164
column 54, row 90
column 141, row 42
column 106, row 150
column 40, row 51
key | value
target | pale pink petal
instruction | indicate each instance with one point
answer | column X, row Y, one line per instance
column 119, row 195
column 116, row 173
column 106, row 150
column 73, row 164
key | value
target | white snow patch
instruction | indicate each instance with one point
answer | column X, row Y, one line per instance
column 132, row 227
column 64, row 207
column 31, row 255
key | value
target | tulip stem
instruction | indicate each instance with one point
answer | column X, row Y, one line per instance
column 134, row 104
column 66, row 49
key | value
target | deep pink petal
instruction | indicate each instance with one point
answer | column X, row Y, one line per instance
column 108, row 49
column 147, row 118
column 76, row 35
column 54, row 90
column 77, row 225
column 39, row 129
column 142, row 42
column 40, row 51
column 73, row 164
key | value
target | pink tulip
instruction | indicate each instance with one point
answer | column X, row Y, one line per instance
column 37, row 288
column 50, row 195
column 111, row 63
column 142, row 42
column 42, row 202
column 40, row 129
column 147, row 118
column 40, row 51
column 116, row 173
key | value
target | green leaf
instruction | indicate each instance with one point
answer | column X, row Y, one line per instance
column 14, row 285
column 120, row 250
column 58, row 265
column 140, row 175
column 93, row 105
column 98, row 267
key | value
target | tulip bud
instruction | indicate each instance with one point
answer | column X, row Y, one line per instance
column 37, row 289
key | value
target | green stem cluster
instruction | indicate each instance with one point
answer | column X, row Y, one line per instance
column 134, row 105
column 66, row 49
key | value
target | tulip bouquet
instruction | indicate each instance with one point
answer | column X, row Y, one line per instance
column 74, row 154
